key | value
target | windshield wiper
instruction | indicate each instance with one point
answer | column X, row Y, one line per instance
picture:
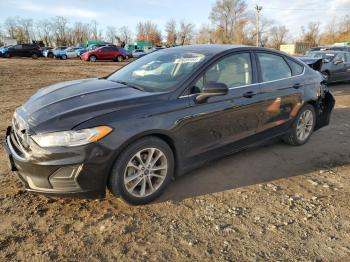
column 130, row 85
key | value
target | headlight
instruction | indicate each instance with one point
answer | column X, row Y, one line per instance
column 72, row 137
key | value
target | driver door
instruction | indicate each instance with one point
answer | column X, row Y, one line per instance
column 224, row 120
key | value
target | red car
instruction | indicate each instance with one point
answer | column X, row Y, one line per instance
column 105, row 53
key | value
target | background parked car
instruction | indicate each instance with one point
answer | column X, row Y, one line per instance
column 3, row 49
column 81, row 51
column 105, row 53
column 71, row 52
column 335, row 64
column 138, row 53
column 50, row 53
column 24, row 50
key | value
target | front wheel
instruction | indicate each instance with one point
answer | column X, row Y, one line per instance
column 302, row 127
column 120, row 58
column 64, row 57
column 92, row 58
column 142, row 171
column 34, row 56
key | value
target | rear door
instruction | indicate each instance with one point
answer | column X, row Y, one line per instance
column 282, row 85
column 16, row 50
column 347, row 66
column 224, row 120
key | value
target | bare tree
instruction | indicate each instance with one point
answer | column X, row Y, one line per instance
column 43, row 31
column 185, row 33
column 95, row 30
column 204, row 35
column 311, row 34
column 125, row 35
column 25, row 29
column 81, row 32
column 148, row 32
column 278, row 35
column 10, row 26
column 227, row 16
column 170, row 29
column 59, row 28
column 111, row 34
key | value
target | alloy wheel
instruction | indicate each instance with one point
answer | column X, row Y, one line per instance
column 145, row 172
column 305, row 125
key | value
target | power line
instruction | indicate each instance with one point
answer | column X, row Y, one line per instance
column 305, row 9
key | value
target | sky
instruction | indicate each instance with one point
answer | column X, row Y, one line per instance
column 293, row 14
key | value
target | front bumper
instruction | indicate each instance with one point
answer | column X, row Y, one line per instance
column 74, row 172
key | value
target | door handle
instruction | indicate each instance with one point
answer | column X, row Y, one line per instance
column 249, row 94
column 297, row 86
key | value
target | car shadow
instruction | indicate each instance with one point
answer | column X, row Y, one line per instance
column 328, row 147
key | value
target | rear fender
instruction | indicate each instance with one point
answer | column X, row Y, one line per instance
column 325, row 105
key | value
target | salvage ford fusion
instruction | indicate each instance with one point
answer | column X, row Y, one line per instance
column 161, row 116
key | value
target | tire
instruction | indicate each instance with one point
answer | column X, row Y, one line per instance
column 64, row 57
column 92, row 58
column 7, row 55
column 142, row 193
column 34, row 56
column 294, row 137
column 326, row 75
column 119, row 58
column 50, row 55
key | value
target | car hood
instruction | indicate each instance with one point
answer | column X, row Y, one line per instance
column 65, row 105
column 314, row 63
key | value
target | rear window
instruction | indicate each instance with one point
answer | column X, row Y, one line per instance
column 297, row 69
column 273, row 67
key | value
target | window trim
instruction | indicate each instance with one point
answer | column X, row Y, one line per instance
column 255, row 68
column 259, row 66
column 253, row 64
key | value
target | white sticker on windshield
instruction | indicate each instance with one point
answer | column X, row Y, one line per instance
column 188, row 60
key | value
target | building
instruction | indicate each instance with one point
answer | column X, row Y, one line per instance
column 7, row 40
column 295, row 49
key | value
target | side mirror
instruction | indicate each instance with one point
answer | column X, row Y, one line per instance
column 337, row 62
column 211, row 89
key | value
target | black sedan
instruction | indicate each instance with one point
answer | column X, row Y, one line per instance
column 24, row 50
column 335, row 64
column 160, row 116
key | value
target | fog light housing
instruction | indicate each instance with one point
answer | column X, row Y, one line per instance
column 65, row 178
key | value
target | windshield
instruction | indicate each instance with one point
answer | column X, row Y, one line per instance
column 321, row 55
column 160, row 71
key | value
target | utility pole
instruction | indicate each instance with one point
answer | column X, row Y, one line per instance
column 258, row 10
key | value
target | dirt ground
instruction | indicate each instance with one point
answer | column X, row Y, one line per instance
column 271, row 203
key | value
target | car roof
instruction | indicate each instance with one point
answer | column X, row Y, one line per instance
column 329, row 51
column 213, row 49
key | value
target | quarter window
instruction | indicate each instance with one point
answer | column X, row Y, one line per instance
column 297, row 69
column 234, row 70
column 273, row 67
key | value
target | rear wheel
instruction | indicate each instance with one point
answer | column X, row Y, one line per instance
column 7, row 55
column 50, row 55
column 303, row 126
column 64, row 57
column 120, row 58
column 34, row 56
column 142, row 171
column 92, row 58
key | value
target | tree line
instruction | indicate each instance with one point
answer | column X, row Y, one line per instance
column 230, row 22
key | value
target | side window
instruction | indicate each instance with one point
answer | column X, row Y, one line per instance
column 347, row 58
column 340, row 57
column 297, row 69
column 17, row 47
column 234, row 70
column 273, row 67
